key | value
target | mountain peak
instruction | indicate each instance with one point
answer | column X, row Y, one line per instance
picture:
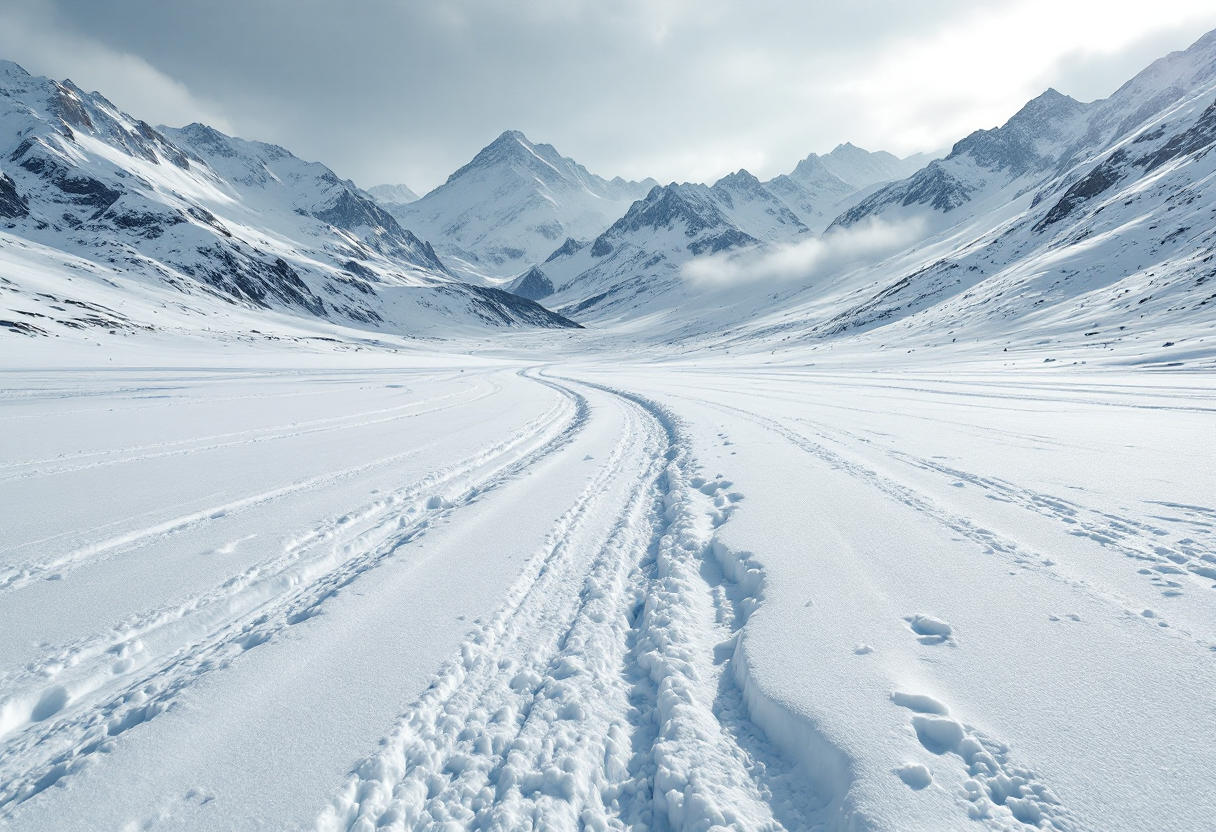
column 399, row 194
column 8, row 69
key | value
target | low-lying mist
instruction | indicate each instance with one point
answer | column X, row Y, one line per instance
column 825, row 254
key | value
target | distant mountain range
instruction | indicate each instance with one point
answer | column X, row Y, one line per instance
column 511, row 206
column 1071, row 217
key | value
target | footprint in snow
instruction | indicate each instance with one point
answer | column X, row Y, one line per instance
column 996, row 786
column 929, row 630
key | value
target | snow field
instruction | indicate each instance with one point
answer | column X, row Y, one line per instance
column 946, row 601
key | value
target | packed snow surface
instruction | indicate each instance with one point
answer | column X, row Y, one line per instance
column 313, row 588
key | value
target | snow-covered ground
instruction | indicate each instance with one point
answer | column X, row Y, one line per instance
column 274, row 589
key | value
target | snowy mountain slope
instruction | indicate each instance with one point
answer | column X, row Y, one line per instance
column 737, row 210
column 821, row 187
column 1044, row 139
column 860, row 168
column 674, row 223
column 392, row 194
column 638, row 258
column 1126, row 248
column 812, row 192
column 1017, row 241
column 512, row 204
column 533, row 284
column 212, row 216
column 987, row 165
column 1104, row 250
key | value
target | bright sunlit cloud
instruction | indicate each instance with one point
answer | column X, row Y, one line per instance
column 980, row 68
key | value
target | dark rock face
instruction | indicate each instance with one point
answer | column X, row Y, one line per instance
column 667, row 207
column 1199, row 138
column 571, row 246
column 12, row 204
column 146, row 224
column 245, row 277
column 1201, row 135
column 533, row 285
column 1097, row 181
column 77, row 189
column 350, row 212
column 731, row 238
column 1015, row 146
column 504, row 308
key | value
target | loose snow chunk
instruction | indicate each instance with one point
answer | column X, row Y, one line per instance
column 920, row 703
column 915, row 775
column 437, row 501
column 938, row 734
column 927, row 625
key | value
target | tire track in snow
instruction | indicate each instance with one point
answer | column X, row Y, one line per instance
column 159, row 450
column 109, row 683
column 601, row 695
column 1192, row 552
column 20, row 575
column 1190, row 557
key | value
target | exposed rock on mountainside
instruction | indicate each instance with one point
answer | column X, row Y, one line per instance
column 507, row 207
column 209, row 215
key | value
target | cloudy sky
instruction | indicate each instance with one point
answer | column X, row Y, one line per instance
column 687, row 90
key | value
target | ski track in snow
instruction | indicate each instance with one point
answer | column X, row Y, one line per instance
column 603, row 694
column 1189, row 559
column 108, row 683
column 22, row 574
column 141, row 453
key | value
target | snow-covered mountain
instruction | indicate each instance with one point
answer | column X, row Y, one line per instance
column 1045, row 139
column 1071, row 224
column 640, row 254
column 513, row 204
column 169, row 214
column 388, row 195
column 861, row 168
column 1071, row 228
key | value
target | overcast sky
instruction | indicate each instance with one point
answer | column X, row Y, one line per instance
column 685, row 90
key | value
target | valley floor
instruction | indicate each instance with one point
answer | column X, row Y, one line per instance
column 495, row 594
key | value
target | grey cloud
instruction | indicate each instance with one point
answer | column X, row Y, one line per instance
column 397, row 90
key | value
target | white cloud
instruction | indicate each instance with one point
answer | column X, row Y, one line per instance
column 31, row 36
column 979, row 68
column 683, row 90
column 867, row 242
